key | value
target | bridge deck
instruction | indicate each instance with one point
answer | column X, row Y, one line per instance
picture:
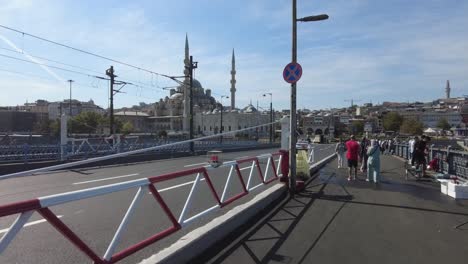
column 336, row 221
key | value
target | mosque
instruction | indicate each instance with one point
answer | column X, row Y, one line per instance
column 171, row 113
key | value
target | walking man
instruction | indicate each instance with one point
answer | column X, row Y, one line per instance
column 352, row 155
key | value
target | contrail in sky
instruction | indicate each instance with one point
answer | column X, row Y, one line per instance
column 45, row 68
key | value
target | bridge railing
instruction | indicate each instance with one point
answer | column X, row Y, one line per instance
column 450, row 161
column 42, row 205
column 83, row 149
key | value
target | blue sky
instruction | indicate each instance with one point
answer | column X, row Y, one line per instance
column 394, row 50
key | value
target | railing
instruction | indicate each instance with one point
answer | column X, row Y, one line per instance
column 42, row 205
column 450, row 161
column 83, row 149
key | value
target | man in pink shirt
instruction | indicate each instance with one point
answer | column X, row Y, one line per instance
column 352, row 155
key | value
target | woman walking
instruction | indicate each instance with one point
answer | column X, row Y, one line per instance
column 340, row 150
column 373, row 162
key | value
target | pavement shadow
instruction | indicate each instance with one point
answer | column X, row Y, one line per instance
column 279, row 237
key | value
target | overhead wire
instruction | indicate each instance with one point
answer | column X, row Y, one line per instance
column 78, row 72
column 44, row 78
column 87, row 52
column 54, row 61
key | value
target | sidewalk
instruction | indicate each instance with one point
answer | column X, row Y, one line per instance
column 336, row 221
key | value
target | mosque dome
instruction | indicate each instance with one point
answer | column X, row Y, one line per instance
column 177, row 96
column 250, row 109
column 195, row 84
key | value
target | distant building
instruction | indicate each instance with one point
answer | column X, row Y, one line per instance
column 209, row 123
column 431, row 118
column 56, row 109
column 139, row 120
column 18, row 121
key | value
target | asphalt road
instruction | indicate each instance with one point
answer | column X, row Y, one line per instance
column 95, row 220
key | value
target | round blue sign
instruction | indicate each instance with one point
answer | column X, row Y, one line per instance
column 292, row 72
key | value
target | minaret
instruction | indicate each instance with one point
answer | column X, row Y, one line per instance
column 233, row 82
column 186, row 87
column 447, row 89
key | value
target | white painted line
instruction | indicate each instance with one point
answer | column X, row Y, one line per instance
column 243, row 157
column 246, row 168
column 29, row 224
column 177, row 186
column 196, row 164
column 106, row 179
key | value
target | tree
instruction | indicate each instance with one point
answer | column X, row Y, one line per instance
column 54, row 128
column 411, row 126
column 42, row 126
column 127, row 128
column 86, row 122
column 357, row 127
column 443, row 124
column 392, row 121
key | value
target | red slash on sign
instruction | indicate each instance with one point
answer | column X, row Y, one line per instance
column 292, row 72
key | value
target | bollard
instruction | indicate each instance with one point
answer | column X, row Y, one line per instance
column 284, row 166
column 285, row 133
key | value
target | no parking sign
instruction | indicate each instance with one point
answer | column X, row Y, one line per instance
column 292, row 72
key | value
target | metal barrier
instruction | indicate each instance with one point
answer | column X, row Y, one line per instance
column 89, row 148
column 42, row 205
column 450, row 161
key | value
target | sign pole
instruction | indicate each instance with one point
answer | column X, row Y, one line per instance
column 292, row 137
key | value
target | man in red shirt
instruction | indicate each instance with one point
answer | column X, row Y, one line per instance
column 352, row 155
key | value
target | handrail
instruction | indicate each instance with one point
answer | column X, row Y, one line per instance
column 41, row 205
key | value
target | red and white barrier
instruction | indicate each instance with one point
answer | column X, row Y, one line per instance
column 41, row 205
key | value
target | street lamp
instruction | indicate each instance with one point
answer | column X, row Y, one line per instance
column 292, row 136
column 271, row 115
column 221, row 128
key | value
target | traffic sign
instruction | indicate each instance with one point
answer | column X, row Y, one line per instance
column 292, row 72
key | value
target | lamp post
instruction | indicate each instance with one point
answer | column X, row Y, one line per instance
column 271, row 115
column 221, row 128
column 293, row 136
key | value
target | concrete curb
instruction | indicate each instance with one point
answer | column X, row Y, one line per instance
column 202, row 238
column 206, row 236
column 315, row 167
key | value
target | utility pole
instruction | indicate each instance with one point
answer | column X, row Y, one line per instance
column 110, row 73
column 70, row 81
column 193, row 65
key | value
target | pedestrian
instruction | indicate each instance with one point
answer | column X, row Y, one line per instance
column 340, row 150
column 363, row 153
column 382, row 148
column 352, row 155
column 420, row 154
column 373, row 162
column 411, row 143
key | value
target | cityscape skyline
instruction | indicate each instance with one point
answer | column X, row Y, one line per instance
column 357, row 54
